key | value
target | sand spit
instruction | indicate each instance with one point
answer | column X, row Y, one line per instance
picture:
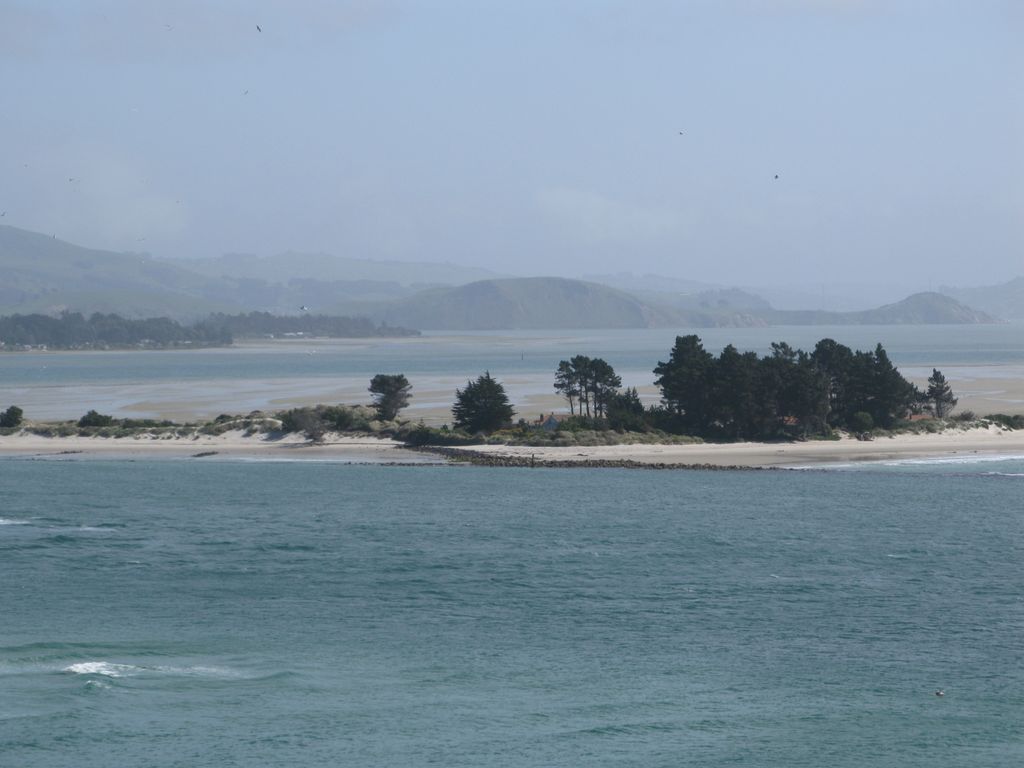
column 966, row 443
column 229, row 445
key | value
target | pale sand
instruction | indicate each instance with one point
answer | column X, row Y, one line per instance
column 230, row 445
column 951, row 444
column 346, row 449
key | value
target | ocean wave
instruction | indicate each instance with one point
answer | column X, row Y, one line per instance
column 7, row 521
column 954, row 460
column 112, row 669
column 105, row 668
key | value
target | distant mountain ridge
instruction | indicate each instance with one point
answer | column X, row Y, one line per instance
column 1004, row 300
column 43, row 274
column 554, row 302
column 925, row 308
column 324, row 267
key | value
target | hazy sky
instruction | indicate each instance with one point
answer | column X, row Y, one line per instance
column 528, row 137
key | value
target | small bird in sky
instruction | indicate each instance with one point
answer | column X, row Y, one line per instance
column 304, row 308
column 3, row 214
column 258, row 28
column 245, row 93
column 680, row 133
column 776, row 176
column 71, row 178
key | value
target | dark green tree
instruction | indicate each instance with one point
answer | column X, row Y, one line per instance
column 626, row 412
column 11, row 417
column 734, row 404
column 567, row 384
column 390, row 394
column 685, row 382
column 939, row 395
column 603, row 384
column 482, row 406
column 589, row 381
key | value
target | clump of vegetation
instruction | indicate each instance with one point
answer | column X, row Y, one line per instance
column 94, row 419
column 316, row 421
column 1016, row 421
column 11, row 418
column 421, row 434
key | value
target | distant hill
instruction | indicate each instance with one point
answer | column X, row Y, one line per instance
column 917, row 309
column 530, row 303
column 44, row 274
column 550, row 302
column 555, row 302
column 627, row 281
column 1005, row 300
column 324, row 267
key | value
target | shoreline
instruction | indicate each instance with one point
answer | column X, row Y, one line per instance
column 975, row 444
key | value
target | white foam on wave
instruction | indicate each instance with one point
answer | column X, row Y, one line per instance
column 105, row 668
column 941, row 460
column 110, row 669
column 6, row 521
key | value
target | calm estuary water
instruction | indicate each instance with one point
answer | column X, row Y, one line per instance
column 182, row 384
column 216, row 613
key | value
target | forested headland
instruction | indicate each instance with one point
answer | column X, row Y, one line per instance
column 741, row 395
column 73, row 330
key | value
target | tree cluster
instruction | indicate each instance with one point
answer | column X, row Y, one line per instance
column 745, row 396
column 72, row 330
column 741, row 395
column 590, row 383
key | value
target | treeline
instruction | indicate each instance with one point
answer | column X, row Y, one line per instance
column 262, row 324
column 737, row 395
column 73, row 330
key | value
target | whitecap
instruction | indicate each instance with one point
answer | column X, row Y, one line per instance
column 6, row 521
column 105, row 668
column 962, row 459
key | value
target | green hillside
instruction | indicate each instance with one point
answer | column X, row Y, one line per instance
column 44, row 274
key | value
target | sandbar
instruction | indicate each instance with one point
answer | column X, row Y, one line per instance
column 976, row 442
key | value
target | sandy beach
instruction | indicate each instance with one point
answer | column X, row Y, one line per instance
column 952, row 444
column 229, row 445
column 976, row 442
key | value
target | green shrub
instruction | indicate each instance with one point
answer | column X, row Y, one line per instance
column 861, row 421
column 93, row 419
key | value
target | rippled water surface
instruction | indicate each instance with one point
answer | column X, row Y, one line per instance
column 184, row 613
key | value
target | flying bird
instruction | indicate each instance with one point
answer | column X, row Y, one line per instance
column 258, row 28
column 304, row 308
column 776, row 175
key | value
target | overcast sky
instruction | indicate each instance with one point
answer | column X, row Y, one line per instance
column 528, row 137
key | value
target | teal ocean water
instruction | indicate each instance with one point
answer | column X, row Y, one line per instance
column 216, row 613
